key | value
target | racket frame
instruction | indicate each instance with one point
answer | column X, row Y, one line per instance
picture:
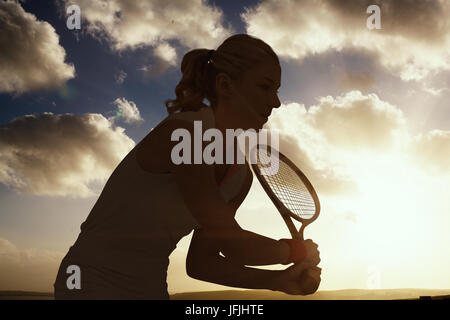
column 285, row 213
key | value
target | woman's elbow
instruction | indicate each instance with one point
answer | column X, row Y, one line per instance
column 193, row 271
column 197, row 267
column 202, row 267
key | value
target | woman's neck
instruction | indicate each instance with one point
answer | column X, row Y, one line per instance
column 222, row 123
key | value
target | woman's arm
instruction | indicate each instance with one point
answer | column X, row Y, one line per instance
column 204, row 263
column 222, row 271
column 201, row 194
column 247, row 248
column 219, row 225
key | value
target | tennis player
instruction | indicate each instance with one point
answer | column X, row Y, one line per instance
column 149, row 203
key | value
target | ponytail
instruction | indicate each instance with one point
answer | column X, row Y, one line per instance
column 196, row 83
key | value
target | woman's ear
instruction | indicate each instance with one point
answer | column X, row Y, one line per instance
column 224, row 86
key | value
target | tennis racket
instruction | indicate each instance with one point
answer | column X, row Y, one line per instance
column 289, row 189
column 291, row 193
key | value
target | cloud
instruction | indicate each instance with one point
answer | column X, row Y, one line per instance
column 431, row 151
column 30, row 270
column 165, row 56
column 31, row 57
column 414, row 40
column 356, row 80
column 127, row 111
column 166, row 53
column 335, row 141
column 120, row 77
column 435, row 92
column 134, row 24
column 355, row 121
column 324, row 139
column 352, row 122
column 304, row 145
column 325, row 178
column 59, row 155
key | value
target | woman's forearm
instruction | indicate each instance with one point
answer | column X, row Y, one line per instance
column 223, row 271
column 248, row 248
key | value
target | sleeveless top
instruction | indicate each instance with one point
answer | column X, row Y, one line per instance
column 134, row 226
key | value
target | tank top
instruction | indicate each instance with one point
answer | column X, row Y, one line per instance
column 125, row 242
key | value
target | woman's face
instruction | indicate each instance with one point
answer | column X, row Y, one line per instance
column 255, row 95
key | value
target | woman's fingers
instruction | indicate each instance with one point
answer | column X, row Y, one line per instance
column 313, row 254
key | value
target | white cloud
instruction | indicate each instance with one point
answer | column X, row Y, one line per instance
column 355, row 121
column 165, row 52
column 127, row 111
column 414, row 40
column 134, row 24
column 352, row 122
column 31, row 57
column 165, row 56
column 60, row 155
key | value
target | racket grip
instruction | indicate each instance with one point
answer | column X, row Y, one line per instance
column 298, row 250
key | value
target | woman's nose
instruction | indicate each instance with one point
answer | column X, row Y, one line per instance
column 276, row 103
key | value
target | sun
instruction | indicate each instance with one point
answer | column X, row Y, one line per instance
column 390, row 206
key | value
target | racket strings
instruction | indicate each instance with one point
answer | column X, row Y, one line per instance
column 288, row 187
column 294, row 192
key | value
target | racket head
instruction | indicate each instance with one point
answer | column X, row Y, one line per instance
column 287, row 187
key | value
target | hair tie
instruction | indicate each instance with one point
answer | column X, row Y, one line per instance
column 209, row 55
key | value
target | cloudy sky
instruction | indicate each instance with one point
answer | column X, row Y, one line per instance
column 365, row 114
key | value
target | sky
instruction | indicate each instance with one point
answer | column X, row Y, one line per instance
column 365, row 114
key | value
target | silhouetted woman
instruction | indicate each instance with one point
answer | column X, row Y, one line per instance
column 149, row 203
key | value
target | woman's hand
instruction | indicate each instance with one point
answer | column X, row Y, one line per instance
column 312, row 252
column 310, row 280
column 302, row 278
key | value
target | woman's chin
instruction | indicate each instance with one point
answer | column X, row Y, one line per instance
column 254, row 126
column 262, row 124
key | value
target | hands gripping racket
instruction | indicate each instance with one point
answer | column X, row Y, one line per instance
column 292, row 194
column 289, row 189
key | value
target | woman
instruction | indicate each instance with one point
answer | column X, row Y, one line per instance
column 149, row 203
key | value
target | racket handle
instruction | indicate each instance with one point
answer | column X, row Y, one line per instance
column 291, row 226
column 301, row 231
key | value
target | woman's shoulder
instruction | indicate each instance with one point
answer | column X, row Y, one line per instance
column 151, row 153
column 204, row 114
